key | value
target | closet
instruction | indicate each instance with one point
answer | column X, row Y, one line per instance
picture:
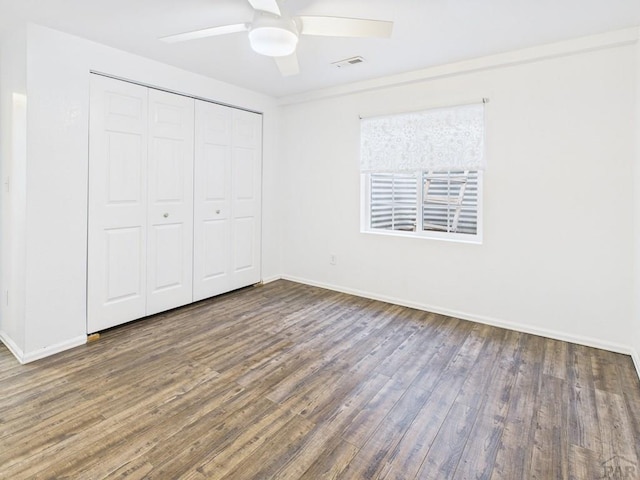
column 174, row 201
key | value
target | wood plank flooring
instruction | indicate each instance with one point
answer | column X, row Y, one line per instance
column 288, row 381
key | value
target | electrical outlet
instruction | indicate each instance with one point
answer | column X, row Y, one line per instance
column 333, row 259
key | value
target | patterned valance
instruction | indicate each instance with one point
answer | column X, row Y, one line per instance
column 450, row 138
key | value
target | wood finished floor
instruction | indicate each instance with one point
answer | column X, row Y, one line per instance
column 288, row 381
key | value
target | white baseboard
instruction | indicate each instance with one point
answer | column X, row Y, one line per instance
column 557, row 335
column 53, row 349
column 271, row 279
column 11, row 345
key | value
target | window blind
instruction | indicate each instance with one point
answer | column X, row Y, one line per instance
column 440, row 139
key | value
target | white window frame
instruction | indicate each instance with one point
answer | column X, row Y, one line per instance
column 365, row 215
column 434, row 141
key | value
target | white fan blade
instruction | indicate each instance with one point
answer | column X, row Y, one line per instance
column 288, row 65
column 270, row 6
column 207, row 32
column 345, row 27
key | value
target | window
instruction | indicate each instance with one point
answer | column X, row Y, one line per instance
column 422, row 173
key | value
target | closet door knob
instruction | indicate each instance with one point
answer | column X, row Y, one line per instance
column 165, row 215
column 218, row 211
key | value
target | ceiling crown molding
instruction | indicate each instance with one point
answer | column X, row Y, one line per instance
column 617, row 38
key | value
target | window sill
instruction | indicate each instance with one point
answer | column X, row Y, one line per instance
column 441, row 236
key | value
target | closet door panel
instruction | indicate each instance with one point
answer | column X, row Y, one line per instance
column 117, row 203
column 247, row 129
column 212, row 197
column 213, row 265
column 170, row 201
column 244, row 245
column 123, row 260
column 246, row 198
column 215, row 262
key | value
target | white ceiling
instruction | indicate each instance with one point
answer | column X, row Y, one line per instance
column 426, row 33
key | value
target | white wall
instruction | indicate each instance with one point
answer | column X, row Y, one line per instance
column 557, row 205
column 558, row 192
column 58, row 68
column 13, row 78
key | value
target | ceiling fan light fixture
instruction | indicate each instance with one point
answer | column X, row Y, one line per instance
column 274, row 33
column 273, row 41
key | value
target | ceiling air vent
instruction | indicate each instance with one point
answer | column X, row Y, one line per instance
column 348, row 62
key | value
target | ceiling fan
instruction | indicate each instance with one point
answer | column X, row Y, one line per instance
column 275, row 34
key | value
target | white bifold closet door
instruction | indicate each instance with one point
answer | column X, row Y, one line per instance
column 170, row 202
column 227, row 199
column 140, row 235
column 117, row 259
